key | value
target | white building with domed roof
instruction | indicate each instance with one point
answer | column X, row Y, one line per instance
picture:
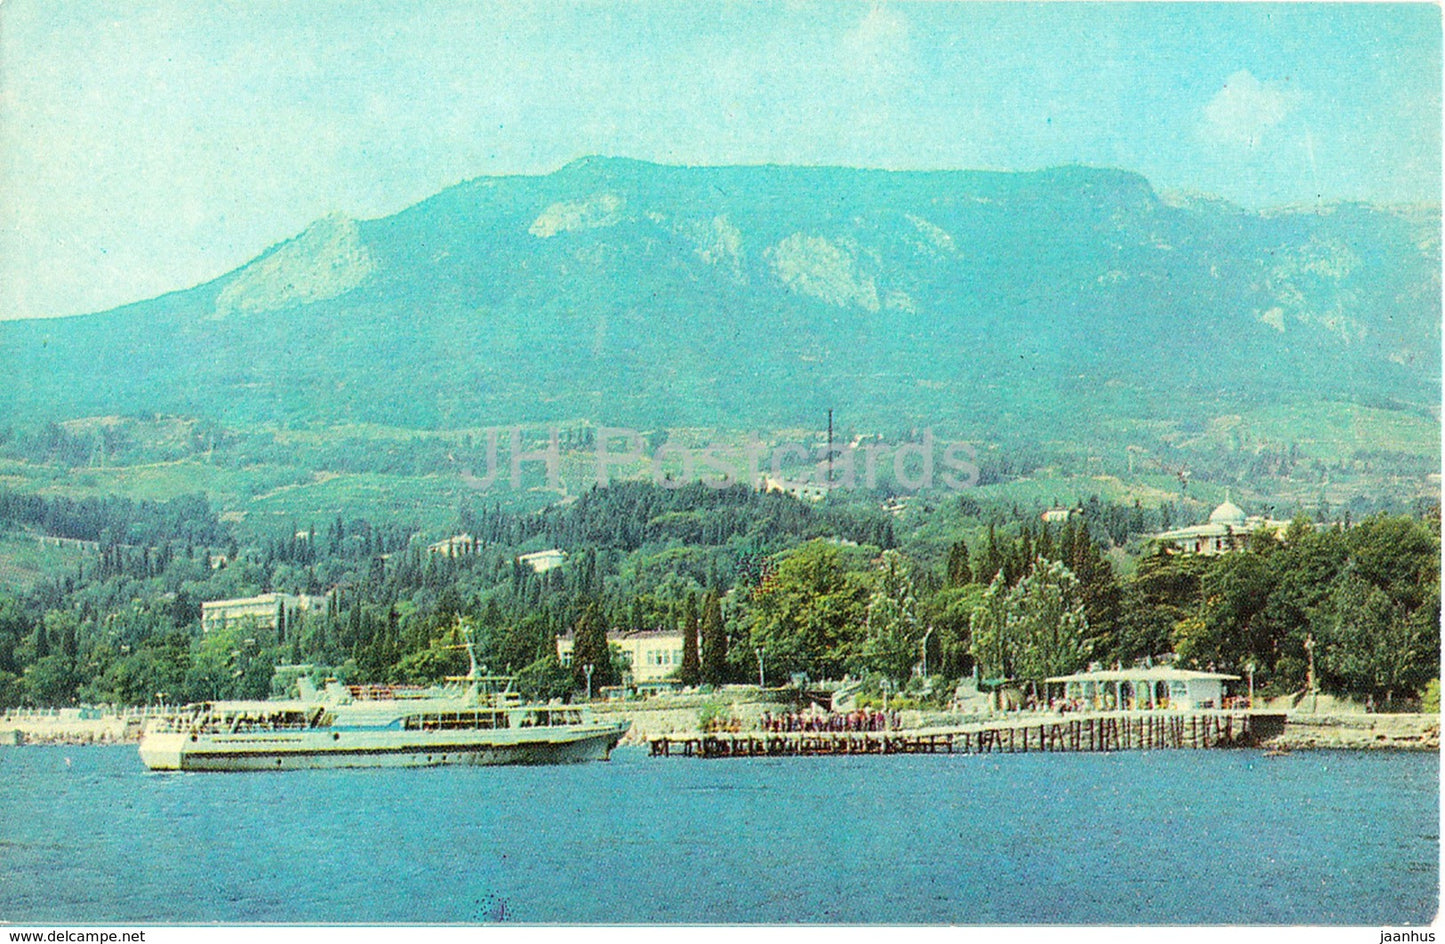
column 1228, row 530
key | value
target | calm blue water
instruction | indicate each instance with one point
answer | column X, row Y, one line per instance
column 1170, row 837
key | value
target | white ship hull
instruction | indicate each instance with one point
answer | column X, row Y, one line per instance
column 323, row 748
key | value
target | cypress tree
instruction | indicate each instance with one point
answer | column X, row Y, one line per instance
column 1045, row 546
column 589, row 647
column 1097, row 584
column 992, row 561
column 691, row 672
column 959, row 572
column 1066, row 543
column 714, row 640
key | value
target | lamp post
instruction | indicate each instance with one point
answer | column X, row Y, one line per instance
column 587, row 670
column 762, row 682
column 1310, row 648
column 1249, row 667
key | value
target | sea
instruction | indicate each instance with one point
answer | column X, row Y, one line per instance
column 89, row 836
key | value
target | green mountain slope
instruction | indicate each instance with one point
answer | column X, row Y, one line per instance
column 634, row 294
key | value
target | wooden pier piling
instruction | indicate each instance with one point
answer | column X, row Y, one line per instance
column 1117, row 731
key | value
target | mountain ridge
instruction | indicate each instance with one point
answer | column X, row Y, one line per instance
column 656, row 294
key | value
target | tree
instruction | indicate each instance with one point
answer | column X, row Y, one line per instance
column 1230, row 630
column 714, row 641
column 42, row 641
column 1302, row 572
column 589, row 647
column 157, row 665
column 893, row 630
column 949, row 612
column 807, row 616
column 426, row 667
column 958, row 570
column 1398, row 555
column 50, row 682
column 691, row 671
column 1164, row 590
column 1034, row 630
column 992, row 561
column 991, row 645
column 544, row 680
column 1098, row 589
column 1371, row 643
column 1045, row 546
column 1047, row 615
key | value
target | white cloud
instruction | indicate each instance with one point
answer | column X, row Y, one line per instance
column 1244, row 109
column 878, row 47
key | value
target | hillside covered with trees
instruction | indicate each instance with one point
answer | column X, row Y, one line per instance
column 826, row 590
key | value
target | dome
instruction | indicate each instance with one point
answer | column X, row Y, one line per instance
column 1228, row 513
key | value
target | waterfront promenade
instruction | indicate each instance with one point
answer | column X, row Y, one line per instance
column 669, row 731
column 1104, row 731
column 74, row 726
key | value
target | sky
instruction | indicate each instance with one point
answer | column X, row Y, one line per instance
column 150, row 145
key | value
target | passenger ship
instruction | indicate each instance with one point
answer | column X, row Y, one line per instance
column 476, row 720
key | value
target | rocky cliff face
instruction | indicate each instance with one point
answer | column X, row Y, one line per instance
column 326, row 260
column 634, row 293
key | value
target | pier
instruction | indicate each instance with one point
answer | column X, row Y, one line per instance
column 1109, row 731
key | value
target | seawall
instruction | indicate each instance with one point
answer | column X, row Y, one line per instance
column 108, row 730
column 680, row 715
column 1415, row 732
column 1302, row 730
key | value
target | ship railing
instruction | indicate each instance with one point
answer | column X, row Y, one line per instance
column 189, row 724
column 105, row 712
column 384, row 692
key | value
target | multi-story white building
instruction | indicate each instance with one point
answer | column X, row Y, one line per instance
column 650, row 656
column 261, row 612
column 1228, row 530
column 543, row 561
column 458, row 545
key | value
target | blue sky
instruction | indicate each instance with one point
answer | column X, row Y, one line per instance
column 149, row 146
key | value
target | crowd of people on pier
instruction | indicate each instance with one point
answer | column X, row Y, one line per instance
column 858, row 720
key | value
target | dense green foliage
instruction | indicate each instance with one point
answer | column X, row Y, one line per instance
column 1034, row 629
column 754, row 576
column 114, row 520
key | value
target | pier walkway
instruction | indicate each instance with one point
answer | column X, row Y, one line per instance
column 1107, row 731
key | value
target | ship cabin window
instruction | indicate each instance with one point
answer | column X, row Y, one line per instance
column 548, row 718
column 241, row 722
column 455, row 721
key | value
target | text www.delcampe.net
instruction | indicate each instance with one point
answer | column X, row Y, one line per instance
column 79, row 937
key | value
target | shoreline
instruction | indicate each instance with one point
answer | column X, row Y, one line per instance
column 1303, row 730
column 1341, row 731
